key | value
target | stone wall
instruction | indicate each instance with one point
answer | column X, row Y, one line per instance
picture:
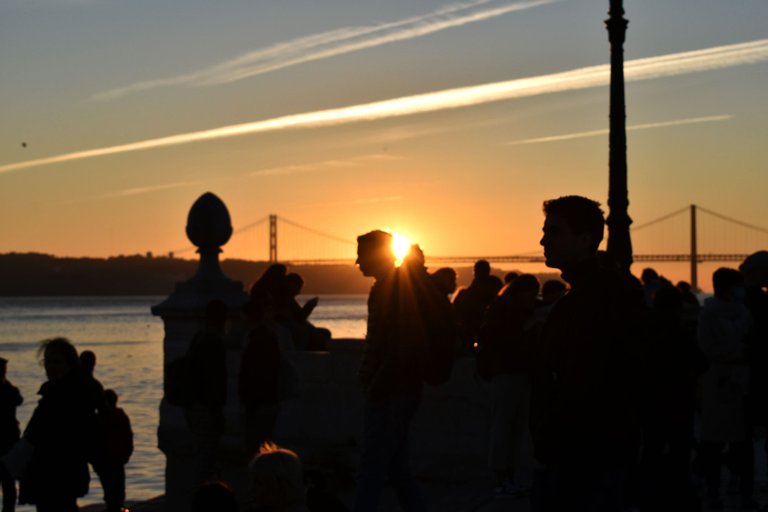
column 449, row 435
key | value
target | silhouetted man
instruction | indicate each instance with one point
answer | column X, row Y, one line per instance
column 117, row 439
column 392, row 379
column 583, row 406
column 207, row 360
column 10, row 399
column 755, row 270
column 88, row 365
column 472, row 302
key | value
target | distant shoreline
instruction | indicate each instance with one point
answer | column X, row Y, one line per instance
column 44, row 275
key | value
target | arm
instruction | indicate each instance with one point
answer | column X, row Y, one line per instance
column 308, row 307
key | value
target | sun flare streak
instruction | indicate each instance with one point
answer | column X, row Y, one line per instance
column 594, row 76
column 401, row 246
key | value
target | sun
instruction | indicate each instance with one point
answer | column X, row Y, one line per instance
column 401, row 245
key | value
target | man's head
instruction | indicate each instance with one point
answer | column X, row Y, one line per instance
column 726, row 282
column 482, row 268
column 648, row 275
column 523, row 291
column 755, row 269
column 276, row 479
column 88, row 361
column 374, row 254
column 445, row 279
column 573, row 230
column 59, row 358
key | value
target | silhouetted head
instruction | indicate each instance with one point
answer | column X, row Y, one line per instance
column 88, row 361
column 292, row 284
column 374, row 254
column 271, row 280
column 110, row 396
column 415, row 259
column 59, row 358
column 276, row 479
column 216, row 314
column 573, row 230
column 552, row 290
column 3, row 368
column 482, row 268
column 214, row 496
column 523, row 291
column 726, row 282
column 755, row 269
column 510, row 276
column 648, row 275
column 445, row 280
column 684, row 286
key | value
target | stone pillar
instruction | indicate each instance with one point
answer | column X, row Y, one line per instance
column 208, row 228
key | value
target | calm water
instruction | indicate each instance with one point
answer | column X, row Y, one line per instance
column 127, row 341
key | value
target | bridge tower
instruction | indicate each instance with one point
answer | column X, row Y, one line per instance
column 694, row 252
column 273, row 238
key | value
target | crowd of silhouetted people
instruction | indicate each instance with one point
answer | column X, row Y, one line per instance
column 633, row 394
column 76, row 423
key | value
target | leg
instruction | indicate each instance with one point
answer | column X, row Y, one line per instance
column 113, row 482
column 744, row 460
column 712, row 456
column 384, row 448
column 542, row 495
column 9, row 490
column 408, row 492
column 500, row 435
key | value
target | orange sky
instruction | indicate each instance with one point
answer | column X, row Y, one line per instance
column 451, row 122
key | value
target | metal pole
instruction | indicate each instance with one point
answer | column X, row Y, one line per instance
column 273, row 238
column 619, row 241
column 694, row 252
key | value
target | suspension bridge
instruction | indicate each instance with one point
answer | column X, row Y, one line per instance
column 692, row 235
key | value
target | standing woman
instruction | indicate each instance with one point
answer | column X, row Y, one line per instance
column 60, row 430
column 10, row 399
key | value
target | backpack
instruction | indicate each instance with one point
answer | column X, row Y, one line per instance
column 437, row 329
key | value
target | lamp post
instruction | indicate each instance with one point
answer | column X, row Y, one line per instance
column 619, row 241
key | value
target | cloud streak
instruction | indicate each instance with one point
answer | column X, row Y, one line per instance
column 641, row 69
column 322, row 166
column 647, row 126
column 145, row 190
column 330, row 44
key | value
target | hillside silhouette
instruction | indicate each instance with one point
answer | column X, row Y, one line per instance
column 35, row 274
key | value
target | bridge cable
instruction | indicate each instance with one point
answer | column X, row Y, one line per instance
column 251, row 225
column 734, row 221
column 660, row 219
column 316, row 232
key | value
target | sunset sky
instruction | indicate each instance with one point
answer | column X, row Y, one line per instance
column 449, row 121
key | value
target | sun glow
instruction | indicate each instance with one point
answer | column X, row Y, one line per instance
column 401, row 245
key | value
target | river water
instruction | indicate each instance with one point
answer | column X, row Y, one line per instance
column 127, row 341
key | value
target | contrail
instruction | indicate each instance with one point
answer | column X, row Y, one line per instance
column 330, row 44
column 324, row 165
column 145, row 190
column 648, row 126
column 640, row 69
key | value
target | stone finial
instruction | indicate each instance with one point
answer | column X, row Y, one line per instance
column 209, row 227
column 208, row 223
